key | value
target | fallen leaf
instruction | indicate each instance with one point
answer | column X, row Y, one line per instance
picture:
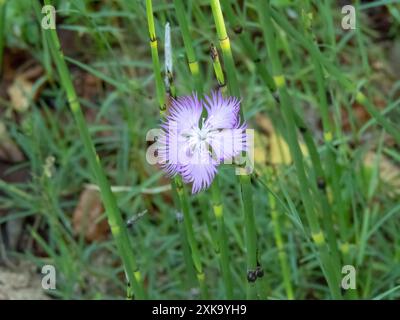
column 9, row 151
column 278, row 151
column 20, row 92
column 19, row 83
column 88, row 216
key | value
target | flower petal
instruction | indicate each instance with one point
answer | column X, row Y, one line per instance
column 200, row 169
column 170, row 146
column 168, row 151
column 228, row 143
column 223, row 113
column 185, row 112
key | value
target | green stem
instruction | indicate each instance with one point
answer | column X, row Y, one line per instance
column 315, row 158
column 327, row 211
column 225, row 46
column 115, row 220
column 219, row 74
column 185, row 244
column 338, row 74
column 333, row 170
column 280, row 244
column 223, row 251
column 187, row 219
column 160, row 88
column 316, row 233
column 251, row 235
column 217, row 203
column 177, row 183
column 246, row 189
column 206, row 216
column 249, row 46
column 187, row 41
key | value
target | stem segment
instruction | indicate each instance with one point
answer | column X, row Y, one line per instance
column 317, row 234
column 251, row 235
column 114, row 216
column 180, row 189
column 222, row 244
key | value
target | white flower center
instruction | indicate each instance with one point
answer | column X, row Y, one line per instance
column 198, row 136
column 197, row 139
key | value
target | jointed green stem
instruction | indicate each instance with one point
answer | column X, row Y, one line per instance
column 249, row 46
column 288, row 114
column 217, row 204
column 180, row 189
column 160, row 88
column 114, row 216
column 360, row 97
column 187, row 220
column 279, row 242
column 225, row 46
column 222, row 239
column 184, row 238
column 332, row 168
column 251, row 235
column 216, row 197
column 332, row 165
column 327, row 211
column 219, row 74
column 187, row 41
column 315, row 159
column 319, row 184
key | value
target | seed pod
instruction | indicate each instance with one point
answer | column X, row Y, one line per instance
column 251, row 276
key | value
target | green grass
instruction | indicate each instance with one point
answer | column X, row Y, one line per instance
column 299, row 222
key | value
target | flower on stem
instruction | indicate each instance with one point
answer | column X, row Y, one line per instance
column 194, row 146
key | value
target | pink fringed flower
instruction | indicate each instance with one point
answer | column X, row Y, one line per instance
column 193, row 146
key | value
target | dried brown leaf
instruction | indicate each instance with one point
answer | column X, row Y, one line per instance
column 88, row 216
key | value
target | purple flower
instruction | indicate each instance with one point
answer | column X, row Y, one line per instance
column 192, row 145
